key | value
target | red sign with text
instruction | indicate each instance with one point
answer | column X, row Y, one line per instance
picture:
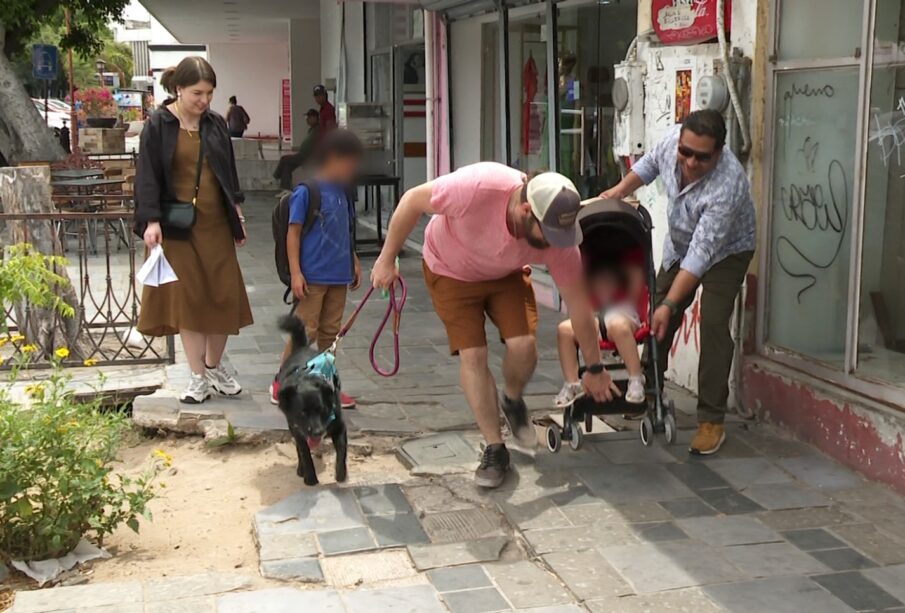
column 286, row 112
column 687, row 22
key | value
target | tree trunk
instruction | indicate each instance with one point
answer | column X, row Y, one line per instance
column 27, row 191
column 24, row 136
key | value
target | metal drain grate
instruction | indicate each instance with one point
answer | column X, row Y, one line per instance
column 464, row 525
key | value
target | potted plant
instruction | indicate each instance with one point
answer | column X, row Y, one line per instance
column 98, row 106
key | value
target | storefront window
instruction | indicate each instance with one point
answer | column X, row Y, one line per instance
column 491, row 145
column 813, row 172
column 840, row 29
column 528, row 130
column 881, row 332
column 591, row 40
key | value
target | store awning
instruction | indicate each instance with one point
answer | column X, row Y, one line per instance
column 459, row 9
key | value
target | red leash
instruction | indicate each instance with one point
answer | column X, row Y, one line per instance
column 394, row 308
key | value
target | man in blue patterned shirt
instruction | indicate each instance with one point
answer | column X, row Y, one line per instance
column 710, row 242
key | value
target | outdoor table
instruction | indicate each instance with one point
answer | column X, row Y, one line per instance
column 87, row 186
column 375, row 182
column 76, row 173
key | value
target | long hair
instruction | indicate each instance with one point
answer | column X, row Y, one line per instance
column 189, row 71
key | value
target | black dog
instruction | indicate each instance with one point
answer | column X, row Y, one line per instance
column 310, row 401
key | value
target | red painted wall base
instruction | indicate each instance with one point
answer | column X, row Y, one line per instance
column 863, row 435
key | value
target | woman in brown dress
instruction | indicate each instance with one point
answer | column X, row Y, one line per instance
column 208, row 302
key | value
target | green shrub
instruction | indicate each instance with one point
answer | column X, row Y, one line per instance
column 29, row 276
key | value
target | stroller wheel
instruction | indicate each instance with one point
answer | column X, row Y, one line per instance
column 647, row 430
column 669, row 428
column 554, row 438
column 575, row 438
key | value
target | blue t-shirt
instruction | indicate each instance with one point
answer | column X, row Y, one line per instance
column 327, row 247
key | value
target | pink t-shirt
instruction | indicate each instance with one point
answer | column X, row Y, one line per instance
column 468, row 238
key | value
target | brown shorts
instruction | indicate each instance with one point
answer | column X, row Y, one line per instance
column 461, row 306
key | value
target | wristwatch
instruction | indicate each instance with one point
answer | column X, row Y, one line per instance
column 595, row 369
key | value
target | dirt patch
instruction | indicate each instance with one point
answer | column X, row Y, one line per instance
column 203, row 518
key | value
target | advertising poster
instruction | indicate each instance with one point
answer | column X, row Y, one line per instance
column 683, row 95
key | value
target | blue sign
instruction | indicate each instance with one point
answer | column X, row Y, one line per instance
column 44, row 62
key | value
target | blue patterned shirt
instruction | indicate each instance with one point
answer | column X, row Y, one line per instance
column 710, row 219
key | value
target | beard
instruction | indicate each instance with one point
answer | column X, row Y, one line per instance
column 528, row 226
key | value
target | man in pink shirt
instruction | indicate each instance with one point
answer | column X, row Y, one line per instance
column 489, row 224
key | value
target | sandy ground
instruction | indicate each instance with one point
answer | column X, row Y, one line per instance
column 202, row 519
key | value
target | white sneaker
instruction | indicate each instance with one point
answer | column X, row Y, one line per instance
column 197, row 391
column 635, row 392
column 567, row 396
column 222, row 381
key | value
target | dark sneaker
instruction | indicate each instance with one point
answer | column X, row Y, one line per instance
column 494, row 466
column 516, row 413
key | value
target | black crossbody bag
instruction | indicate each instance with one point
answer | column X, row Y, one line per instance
column 178, row 218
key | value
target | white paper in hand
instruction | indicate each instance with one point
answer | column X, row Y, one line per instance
column 156, row 270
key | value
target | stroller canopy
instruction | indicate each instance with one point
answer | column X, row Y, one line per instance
column 612, row 227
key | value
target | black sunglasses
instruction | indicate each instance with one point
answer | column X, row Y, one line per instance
column 687, row 152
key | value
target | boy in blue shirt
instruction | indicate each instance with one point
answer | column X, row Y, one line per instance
column 326, row 265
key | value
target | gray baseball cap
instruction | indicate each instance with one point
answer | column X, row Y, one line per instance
column 556, row 203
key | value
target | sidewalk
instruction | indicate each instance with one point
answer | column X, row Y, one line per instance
column 769, row 525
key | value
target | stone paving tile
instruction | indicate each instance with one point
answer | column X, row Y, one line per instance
column 539, row 514
column 857, row 591
column 525, row 585
column 786, row 496
column 85, row 596
column 413, row 599
column 877, row 545
column 572, row 497
column 580, row 537
column 776, row 595
column 382, row 500
column 655, row 567
column 631, row 482
column 346, row 541
column 697, row 476
column 821, row 472
column 114, row 608
column 285, row 546
column 843, row 559
column 426, row 557
column 396, row 530
column 728, row 530
column 771, row 560
column 463, row 525
column 281, row 600
column 435, row 499
column 199, row 604
column 459, row 578
column 633, row 452
column 197, row 585
column 744, row 472
column 367, row 568
column 620, row 513
column 688, row 508
column 306, row 570
column 691, row 600
column 480, row 600
column 728, row 501
column 587, row 574
column 656, row 532
column 890, row 578
column 320, row 509
column 562, row 608
column 799, row 519
column 814, row 539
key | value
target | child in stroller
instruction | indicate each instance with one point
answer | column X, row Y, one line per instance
column 617, row 255
column 617, row 287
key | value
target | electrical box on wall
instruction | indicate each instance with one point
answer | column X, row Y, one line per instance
column 687, row 22
column 628, row 99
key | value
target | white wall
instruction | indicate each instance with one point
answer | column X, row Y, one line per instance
column 351, row 85
column 305, row 66
column 253, row 73
column 465, row 91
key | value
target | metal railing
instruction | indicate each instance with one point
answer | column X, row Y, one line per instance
column 100, row 253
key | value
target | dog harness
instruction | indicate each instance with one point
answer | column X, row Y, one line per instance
column 323, row 365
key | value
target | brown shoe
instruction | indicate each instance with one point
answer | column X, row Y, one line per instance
column 708, row 440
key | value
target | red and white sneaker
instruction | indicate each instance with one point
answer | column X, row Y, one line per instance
column 346, row 401
column 275, row 392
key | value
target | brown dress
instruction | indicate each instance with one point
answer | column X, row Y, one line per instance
column 209, row 296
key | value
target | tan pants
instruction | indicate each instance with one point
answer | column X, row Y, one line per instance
column 322, row 311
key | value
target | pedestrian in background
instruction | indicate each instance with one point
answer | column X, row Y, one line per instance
column 208, row 302
column 236, row 118
column 288, row 163
column 327, row 113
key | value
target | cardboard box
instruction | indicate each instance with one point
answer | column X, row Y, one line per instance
column 102, row 140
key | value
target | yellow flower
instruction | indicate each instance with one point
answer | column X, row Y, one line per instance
column 3, row 341
column 90, row 362
column 160, row 454
column 35, row 390
column 1, row 361
column 18, row 338
column 62, row 353
column 29, row 348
